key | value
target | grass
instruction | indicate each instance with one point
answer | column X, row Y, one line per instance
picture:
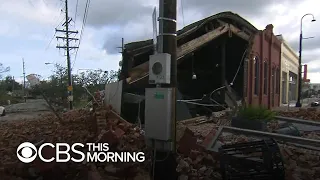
column 256, row 113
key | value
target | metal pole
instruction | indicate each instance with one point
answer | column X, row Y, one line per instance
column 298, row 104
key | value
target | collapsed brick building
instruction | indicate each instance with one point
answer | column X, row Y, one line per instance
column 221, row 49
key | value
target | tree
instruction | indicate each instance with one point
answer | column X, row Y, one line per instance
column 9, row 84
column 56, row 87
column 3, row 69
column 96, row 79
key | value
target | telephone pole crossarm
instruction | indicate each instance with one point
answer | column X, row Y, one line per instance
column 64, row 38
column 65, row 47
column 65, row 31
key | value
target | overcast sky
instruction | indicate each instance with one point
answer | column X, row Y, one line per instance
column 28, row 27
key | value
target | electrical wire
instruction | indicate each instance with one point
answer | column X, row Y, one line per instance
column 199, row 104
column 154, row 159
column 84, row 20
column 190, row 101
column 76, row 13
column 239, row 67
column 55, row 32
column 45, row 3
column 182, row 13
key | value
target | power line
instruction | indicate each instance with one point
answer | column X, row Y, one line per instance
column 24, row 80
column 75, row 16
column 59, row 23
column 45, row 3
column 54, row 35
column 84, row 20
column 182, row 14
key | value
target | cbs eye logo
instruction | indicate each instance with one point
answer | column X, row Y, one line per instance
column 25, row 151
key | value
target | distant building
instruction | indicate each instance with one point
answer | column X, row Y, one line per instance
column 289, row 72
column 315, row 86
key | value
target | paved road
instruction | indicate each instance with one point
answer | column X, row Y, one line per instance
column 23, row 116
column 32, row 105
column 33, row 108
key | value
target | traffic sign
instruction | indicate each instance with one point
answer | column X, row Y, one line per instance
column 70, row 88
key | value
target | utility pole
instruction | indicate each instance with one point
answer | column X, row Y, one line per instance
column 24, row 81
column 67, row 48
column 121, row 62
column 13, row 84
column 165, row 168
column 122, row 45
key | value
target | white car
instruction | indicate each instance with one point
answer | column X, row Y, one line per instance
column 2, row 111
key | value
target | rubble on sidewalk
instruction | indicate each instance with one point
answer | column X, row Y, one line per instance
column 307, row 114
column 194, row 161
column 77, row 126
column 300, row 163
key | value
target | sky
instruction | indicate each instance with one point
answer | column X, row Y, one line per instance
column 28, row 29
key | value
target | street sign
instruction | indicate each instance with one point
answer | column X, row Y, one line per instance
column 154, row 23
column 70, row 88
column 70, row 98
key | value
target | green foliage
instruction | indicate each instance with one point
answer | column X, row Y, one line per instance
column 3, row 69
column 56, row 87
column 256, row 113
column 9, row 84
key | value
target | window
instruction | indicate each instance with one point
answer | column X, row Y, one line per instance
column 273, row 79
column 256, row 75
column 265, row 77
column 246, row 67
column 278, row 81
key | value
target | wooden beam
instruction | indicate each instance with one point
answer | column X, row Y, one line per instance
column 239, row 32
column 200, row 41
column 183, row 50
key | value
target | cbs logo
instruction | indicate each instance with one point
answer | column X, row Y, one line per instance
column 25, row 152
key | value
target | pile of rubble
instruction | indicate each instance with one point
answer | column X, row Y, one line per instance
column 308, row 114
column 196, row 162
column 78, row 126
column 82, row 126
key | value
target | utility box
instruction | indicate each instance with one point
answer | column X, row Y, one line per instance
column 158, row 109
column 159, row 68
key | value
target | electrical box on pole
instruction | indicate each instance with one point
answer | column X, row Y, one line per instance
column 158, row 109
column 159, row 68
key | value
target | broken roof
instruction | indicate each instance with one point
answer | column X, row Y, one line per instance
column 227, row 15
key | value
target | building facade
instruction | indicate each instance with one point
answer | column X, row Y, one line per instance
column 223, row 49
column 289, row 73
column 264, row 69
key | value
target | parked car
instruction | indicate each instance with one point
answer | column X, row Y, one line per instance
column 2, row 111
column 314, row 104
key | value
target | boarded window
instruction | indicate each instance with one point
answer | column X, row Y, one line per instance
column 256, row 75
column 265, row 77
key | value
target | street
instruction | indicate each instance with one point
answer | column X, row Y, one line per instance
column 32, row 109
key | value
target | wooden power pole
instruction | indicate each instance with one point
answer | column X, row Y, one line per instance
column 165, row 166
column 24, row 81
column 67, row 48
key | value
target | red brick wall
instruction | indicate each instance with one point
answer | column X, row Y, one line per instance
column 266, row 48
